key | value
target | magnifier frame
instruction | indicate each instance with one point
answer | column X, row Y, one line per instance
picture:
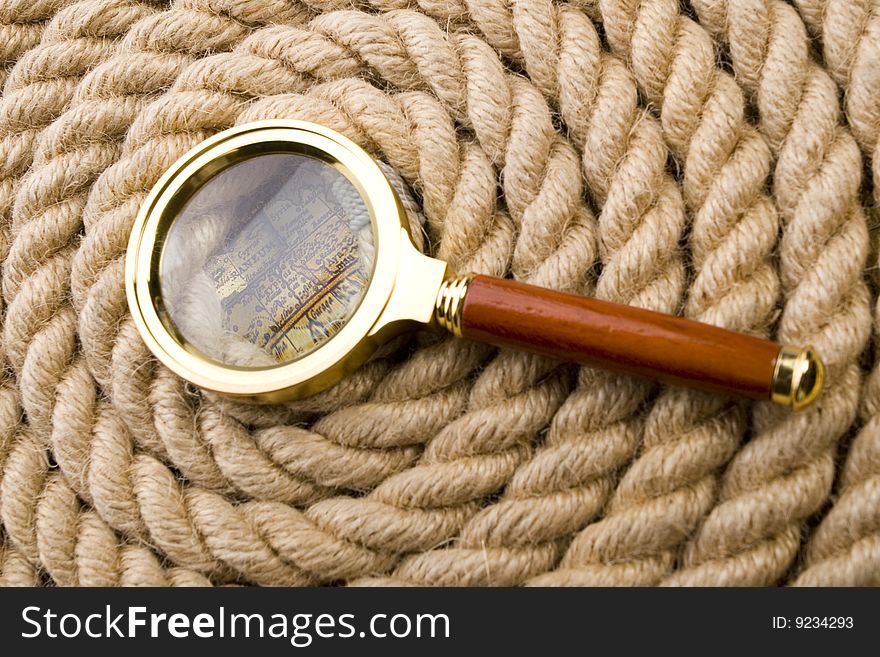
column 402, row 288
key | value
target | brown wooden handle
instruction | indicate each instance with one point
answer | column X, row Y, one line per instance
column 620, row 338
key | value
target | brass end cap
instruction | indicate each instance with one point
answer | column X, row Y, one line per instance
column 798, row 377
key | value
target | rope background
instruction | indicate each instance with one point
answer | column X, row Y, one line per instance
column 716, row 159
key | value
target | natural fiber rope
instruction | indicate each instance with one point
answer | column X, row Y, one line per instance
column 845, row 550
column 662, row 497
column 624, row 163
column 784, row 474
column 448, row 466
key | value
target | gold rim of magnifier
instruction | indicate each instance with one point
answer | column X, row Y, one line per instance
column 402, row 288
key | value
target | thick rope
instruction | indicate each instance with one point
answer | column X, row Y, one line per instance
column 105, row 94
column 784, row 474
column 21, row 27
column 191, row 552
column 446, row 467
column 742, row 298
column 845, row 549
column 77, row 38
column 564, row 486
column 725, row 165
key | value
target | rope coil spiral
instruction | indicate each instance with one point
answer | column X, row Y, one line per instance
column 593, row 146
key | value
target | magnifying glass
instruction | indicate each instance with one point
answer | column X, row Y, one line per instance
column 273, row 259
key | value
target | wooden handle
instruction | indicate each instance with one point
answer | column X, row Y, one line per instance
column 631, row 340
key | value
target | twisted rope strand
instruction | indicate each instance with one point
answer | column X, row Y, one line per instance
column 15, row 569
column 79, row 36
column 421, row 37
column 784, row 474
column 447, row 466
column 850, row 34
column 845, row 549
column 134, row 132
column 530, row 33
column 82, row 147
column 725, row 166
column 35, row 93
column 21, row 27
column 108, row 94
column 639, row 227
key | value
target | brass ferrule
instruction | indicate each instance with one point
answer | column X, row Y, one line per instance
column 797, row 378
column 450, row 302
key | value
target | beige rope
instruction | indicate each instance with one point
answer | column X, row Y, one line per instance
column 564, row 485
column 725, row 165
column 171, row 544
column 437, row 463
column 784, row 474
column 845, row 550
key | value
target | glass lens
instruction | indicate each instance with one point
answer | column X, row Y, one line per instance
column 266, row 261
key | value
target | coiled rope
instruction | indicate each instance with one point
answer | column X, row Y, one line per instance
column 590, row 146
